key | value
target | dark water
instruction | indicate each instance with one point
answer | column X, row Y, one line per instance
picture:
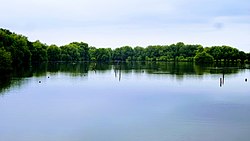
column 126, row 102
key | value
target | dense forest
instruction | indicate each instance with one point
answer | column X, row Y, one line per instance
column 18, row 50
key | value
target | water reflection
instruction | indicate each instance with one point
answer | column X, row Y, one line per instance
column 224, row 71
column 5, row 82
column 82, row 69
column 117, row 71
column 152, row 101
column 222, row 80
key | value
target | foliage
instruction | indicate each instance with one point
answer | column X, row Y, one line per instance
column 225, row 53
column 242, row 56
column 21, row 51
column 248, row 57
column 122, row 54
column 39, row 52
column 17, row 45
column 83, row 49
column 71, row 52
column 203, row 57
column 139, row 54
column 54, row 53
column 5, row 60
column 101, row 54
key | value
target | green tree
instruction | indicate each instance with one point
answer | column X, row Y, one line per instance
column 200, row 49
column 39, row 52
column 92, row 53
column 203, row 58
column 126, row 52
column 54, row 53
column 5, row 60
column 216, row 52
column 23, row 51
column 242, row 56
column 227, row 53
column 17, row 45
column 71, row 52
column 117, row 54
column 163, row 58
column 103, row 54
column 83, row 50
column 248, row 57
column 153, row 51
column 139, row 54
column 188, row 50
column 122, row 53
column 173, row 51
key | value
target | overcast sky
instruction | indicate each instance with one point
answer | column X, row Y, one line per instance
column 115, row 23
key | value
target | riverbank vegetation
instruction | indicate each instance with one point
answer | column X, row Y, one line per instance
column 16, row 49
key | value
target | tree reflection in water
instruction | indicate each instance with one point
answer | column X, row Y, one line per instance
column 81, row 69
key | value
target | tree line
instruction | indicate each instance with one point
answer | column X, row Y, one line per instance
column 16, row 49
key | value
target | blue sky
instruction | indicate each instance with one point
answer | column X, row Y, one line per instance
column 115, row 23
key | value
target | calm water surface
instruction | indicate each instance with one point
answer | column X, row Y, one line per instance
column 126, row 102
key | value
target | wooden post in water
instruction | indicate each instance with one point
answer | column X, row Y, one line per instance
column 94, row 68
column 223, row 77
column 117, row 70
column 120, row 72
column 220, row 82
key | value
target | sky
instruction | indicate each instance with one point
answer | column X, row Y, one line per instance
column 116, row 23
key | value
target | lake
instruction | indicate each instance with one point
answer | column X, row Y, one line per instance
column 126, row 102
